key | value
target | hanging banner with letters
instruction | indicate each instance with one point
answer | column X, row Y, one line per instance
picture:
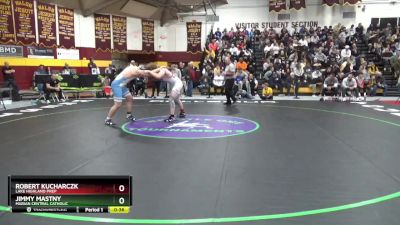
column 119, row 33
column 277, row 5
column 102, row 25
column 193, row 37
column 297, row 4
column 148, row 36
column 24, row 17
column 46, row 18
column 7, row 34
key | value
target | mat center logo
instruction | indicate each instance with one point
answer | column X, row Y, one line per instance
column 191, row 127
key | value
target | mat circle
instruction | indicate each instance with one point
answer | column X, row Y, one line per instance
column 191, row 127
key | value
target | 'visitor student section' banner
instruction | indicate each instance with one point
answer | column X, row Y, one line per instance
column 102, row 25
column 7, row 34
column 66, row 30
column 193, row 37
column 24, row 16
column 277, row 5
column 46, row 17
column 148, row 36
column 119, row 33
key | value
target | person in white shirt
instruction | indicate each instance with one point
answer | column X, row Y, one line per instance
column 349, row 86
column 268, row 49
column 229, row 75
column 234, row 50
column 345, row 53
column 316, row 80
column 218, row 82
column 298, row 73
column 303, row 42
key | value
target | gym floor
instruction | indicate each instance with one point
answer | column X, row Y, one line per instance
column 303, row 158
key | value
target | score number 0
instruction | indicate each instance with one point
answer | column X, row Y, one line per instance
column 121, row 189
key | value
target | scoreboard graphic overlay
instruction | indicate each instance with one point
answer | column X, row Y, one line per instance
column 70, row 194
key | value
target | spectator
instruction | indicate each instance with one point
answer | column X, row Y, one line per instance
column 190, row 79
column 316, row 80
column 253, row 85
column 267, row 92
column 241, row 64
column 9, row 78
column 395, row 63
column 66, row 70
column 92, row 66
column 184, row 75
column 42, row 71
column 241, row 79
column 345, row 53
column 53, row 86
column 234, row 50
column 379, row 84
column 213, row 45
column 110, row 70
column 361, row 87
column 349, row 86
column 218, row 81
column 218, row 34
column 373, row 70
column 331, row 84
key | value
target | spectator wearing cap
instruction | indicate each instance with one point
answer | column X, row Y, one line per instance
column 345, row 53
column 331, row 84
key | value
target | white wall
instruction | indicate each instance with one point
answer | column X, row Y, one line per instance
column 84, row 31
column 134, row 34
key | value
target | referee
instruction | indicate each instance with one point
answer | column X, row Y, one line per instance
column 229, row 74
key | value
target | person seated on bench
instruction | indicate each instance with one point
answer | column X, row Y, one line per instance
column 331, row 84
column 380, row 83
column 349, row 86
column 204, row 85
column 240, row 80
column 253, row 84
column 42, row 70
column 53, row 86
column 316, row 79
column 218, row 82
column 267, row 92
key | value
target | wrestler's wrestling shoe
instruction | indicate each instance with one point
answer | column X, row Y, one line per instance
column 182, row 115
column 109, row 122
column 170, row 119
column 130, row 118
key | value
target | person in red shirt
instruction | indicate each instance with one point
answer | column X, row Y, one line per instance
column 213, row 45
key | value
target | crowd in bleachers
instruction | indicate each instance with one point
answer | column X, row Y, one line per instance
column 325, row 59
